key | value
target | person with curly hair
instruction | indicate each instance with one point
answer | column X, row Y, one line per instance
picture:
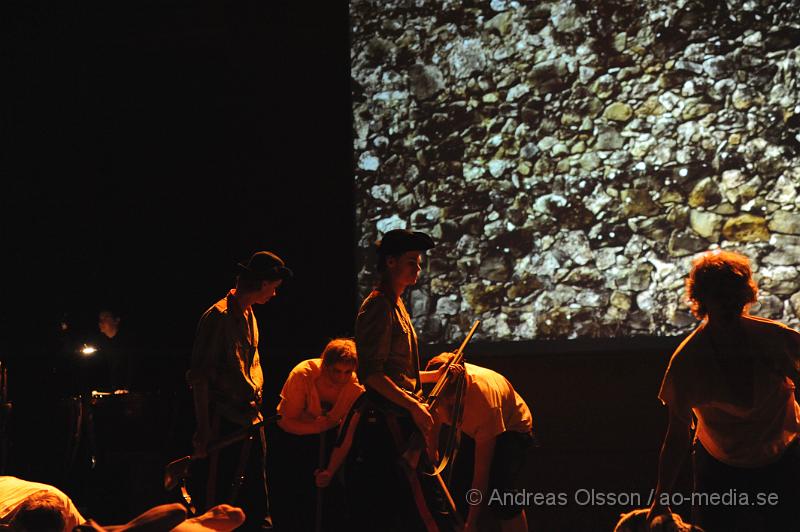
column 733, row 381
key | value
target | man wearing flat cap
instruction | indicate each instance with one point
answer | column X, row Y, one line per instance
column 227, row 382
column 388, row 365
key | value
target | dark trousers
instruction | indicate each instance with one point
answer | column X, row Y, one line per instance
column 755, row 499
column 251, row 494
column 295, row 498
column 378, row 491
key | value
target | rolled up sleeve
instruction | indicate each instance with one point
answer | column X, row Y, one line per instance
column 208, row 348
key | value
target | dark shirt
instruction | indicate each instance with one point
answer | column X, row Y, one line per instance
column 225, row 355
column 386, row 341
column 110, row 367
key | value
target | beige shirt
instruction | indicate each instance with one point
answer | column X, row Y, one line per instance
column 300, row 394
column 14, row 491
column 748, row 418
column 492, row 406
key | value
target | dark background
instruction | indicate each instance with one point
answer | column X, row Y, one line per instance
column 147, row 148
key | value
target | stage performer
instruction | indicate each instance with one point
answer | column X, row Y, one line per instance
column 499, row 421
column 317, row 396
column 227, row 380
column 733, row 380
column 388, row 365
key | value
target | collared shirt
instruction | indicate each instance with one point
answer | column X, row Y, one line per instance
column 225, row 354
column 747, row 423
column 492, row 406
column 299, row 393
column 386, row 341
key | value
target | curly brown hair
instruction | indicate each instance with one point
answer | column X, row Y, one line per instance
column 340, row 350
column 722, row 277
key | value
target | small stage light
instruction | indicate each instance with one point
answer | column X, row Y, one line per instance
column 88, row 350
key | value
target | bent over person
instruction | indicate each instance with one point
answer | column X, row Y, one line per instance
column 733, row 380
column 499, row 421
column 315, row 399
column 227, row 382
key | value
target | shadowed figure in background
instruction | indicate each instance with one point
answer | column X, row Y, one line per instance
column 227, row 386
column 733, row 380
column 107, row 358
column 116, row 347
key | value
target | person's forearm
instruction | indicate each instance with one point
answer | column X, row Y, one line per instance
column 388, row 389
column 427, row 377
column 302, row 427
column 344, row 404
column 673, row 452
column 338, row 454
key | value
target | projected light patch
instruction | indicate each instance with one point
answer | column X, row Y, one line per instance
column 570, row 158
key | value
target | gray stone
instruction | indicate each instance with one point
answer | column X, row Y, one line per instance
column 382, row 193
column 768, row 306
column 368, row 161
column 448, row 305
column 466, row 57
column 779, row 280
column 425, row 81
column 608, row 139
column 786, row 250
column 426, row 216
column 682, row 243
column 785, row 222
column 387, row 224
column 705, row 224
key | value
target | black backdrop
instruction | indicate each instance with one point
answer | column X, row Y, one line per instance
column 149, row 146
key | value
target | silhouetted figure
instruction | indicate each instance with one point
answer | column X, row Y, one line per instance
column 116, row 347
column 733, row 380
column 227, row 385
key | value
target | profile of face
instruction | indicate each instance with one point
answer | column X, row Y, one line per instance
column 108, row 323
column 268, row 290
column 340, row 373
column 405, row 268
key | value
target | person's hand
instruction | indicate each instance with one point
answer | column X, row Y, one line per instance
column 200, row 442
column 455, row 369
column 220, row 518
column 422, row 418
column 322, row 478
column 656, row 510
